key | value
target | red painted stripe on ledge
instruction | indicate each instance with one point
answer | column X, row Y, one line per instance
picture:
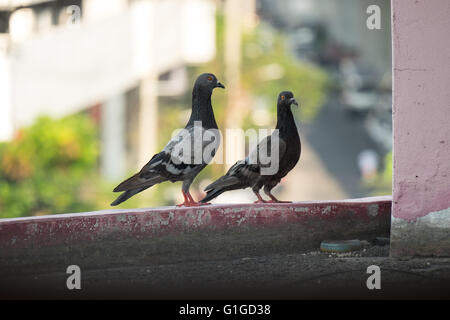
column 143, row 223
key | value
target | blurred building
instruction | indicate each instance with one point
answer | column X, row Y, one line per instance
column 343, row 22
column 60, row 57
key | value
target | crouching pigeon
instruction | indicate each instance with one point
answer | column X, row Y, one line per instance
column 269, row 162
column 187, row 153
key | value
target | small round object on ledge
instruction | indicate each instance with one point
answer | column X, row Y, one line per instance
column 340, row 245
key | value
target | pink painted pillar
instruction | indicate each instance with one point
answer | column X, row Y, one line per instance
column 421, row 120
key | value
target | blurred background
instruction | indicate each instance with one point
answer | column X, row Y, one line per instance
column 91, row 89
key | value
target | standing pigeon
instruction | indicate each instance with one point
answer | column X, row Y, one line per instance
column 253, row 171
column 183, row 157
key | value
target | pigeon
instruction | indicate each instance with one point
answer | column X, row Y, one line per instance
column 252, row 172
column 182, row 158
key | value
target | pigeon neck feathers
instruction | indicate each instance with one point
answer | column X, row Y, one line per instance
column 202, row 109
column 286, row 123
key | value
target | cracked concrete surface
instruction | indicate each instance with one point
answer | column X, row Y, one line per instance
column 307, row 275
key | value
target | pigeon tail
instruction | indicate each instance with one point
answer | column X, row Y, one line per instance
column 225, row 183
column 124, row 185
column 137, row 181
column 214, row 193
column 126, row 195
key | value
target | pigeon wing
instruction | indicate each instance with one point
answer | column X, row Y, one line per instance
column 182, row 156
column 246, row 173
column 268, row 152
column 193, row 145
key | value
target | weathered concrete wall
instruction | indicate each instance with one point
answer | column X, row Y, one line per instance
column 421, row 120
column 111, row 238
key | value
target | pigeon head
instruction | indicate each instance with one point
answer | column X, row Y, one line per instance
column 207, row 82
column 286, row 99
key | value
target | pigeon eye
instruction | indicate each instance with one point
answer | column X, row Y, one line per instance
column 282, row 97
column 210, row 78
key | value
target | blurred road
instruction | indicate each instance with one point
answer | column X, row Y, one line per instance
column 328, row 167
column 336, row 138
column 310, row 179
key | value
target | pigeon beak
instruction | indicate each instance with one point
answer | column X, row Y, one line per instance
column 219, row 85
column 293, row 101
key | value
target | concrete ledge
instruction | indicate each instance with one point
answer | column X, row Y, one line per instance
column 169, row 235
column 426, row 236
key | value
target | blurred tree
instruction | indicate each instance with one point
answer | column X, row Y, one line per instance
column 43, row 169
column 382, row 184
column 268, row 67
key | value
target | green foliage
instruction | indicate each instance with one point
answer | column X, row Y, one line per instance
column 382, row 184
column 42, row 171
column 269, row 68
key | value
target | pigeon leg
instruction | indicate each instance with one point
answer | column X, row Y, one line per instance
column 195, row 203
column 275, row 200
column 260, row 200
column 189, row 201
